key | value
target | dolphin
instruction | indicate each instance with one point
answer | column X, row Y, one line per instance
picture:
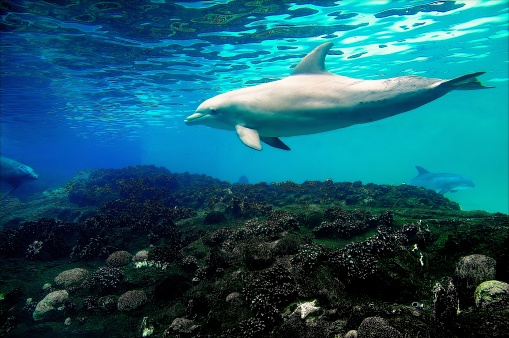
column 441, row 182
column 312, row 100
column 14, row 173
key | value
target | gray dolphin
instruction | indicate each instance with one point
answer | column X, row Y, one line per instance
column 14, row 173
column 312, row 100
column 441, row 182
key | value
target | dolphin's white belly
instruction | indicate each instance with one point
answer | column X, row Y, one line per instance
column 307, row 104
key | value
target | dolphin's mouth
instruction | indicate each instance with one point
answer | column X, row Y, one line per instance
column 192, row 118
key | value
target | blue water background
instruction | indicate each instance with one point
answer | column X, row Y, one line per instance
column 85, row 85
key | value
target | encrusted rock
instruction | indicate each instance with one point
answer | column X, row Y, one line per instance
column 377, row 327
column 119, row 258
column 351, row 334
column 475, row 269
column 183, row 325
column 141, row 256
column 492, row 295
column 104, row 279
column 131, row 300
column 48, row 307
column 70, row 277
column 446, row 301
column 232, row 296
column 107, row 303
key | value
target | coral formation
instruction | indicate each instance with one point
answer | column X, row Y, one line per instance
column 119, row 258
column 70, row 277
column 104, row 279
column 49, row 304
column 492, row 294
column 475, row 269
column 131, row 300
column 254, row 260
column 377, row 327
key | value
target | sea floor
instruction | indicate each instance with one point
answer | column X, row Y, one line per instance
column 141, row 251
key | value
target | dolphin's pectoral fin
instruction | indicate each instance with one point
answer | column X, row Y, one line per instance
column 249, row 137
column 275, row 142
column 453, row 191
column 443, row 191
column 314, row 62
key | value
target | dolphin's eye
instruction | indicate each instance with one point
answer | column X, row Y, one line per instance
column 213, row 111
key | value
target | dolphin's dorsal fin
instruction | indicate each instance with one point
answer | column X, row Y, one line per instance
column 421, row 170
column 314, row 62
column 249, row 137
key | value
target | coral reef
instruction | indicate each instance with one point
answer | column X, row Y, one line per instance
column 328, row 259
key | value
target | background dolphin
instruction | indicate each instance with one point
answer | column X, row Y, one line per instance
column 313, row 100
column 15, row 174
column 441, row 182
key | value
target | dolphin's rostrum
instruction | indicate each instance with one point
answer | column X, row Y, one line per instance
column 313, row 100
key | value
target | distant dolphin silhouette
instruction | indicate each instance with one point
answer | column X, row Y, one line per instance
column 15, row 174
column 441, row 182
column 313, row 100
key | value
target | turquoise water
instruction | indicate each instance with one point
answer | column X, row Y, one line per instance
column 89, row 84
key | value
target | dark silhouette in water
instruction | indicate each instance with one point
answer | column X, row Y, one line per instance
column 441, row 182
column 243, row 180
column 14, row 174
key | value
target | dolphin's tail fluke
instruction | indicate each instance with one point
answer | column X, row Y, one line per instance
column 466, row 82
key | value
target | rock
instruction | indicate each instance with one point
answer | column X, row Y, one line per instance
column 351, row 334
column 70, row 277
column 131, row 300
column 141, row 256
column 119, row 258
column 475, row 269
column 446, row 301
column 183, row 325
column 491, row 295
column 48, row 307
column 377, row 327
column 232, row 297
